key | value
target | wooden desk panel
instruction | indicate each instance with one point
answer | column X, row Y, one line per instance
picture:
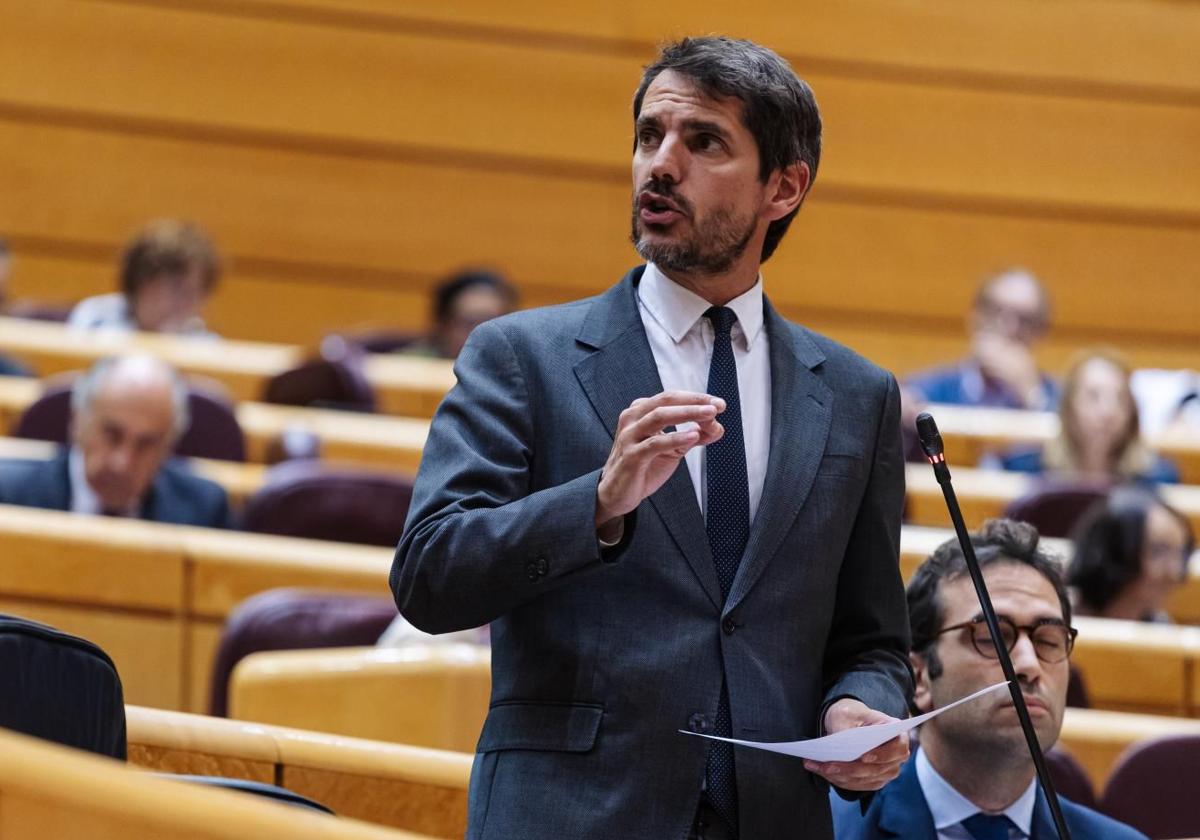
column 1137, row 667
column 86, row 560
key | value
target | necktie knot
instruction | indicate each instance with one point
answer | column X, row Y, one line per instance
column 722, row 318
column 983, row 826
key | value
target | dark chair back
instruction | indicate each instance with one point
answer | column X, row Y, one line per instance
column 1069, row 777
column 291, row 619
column 213, row 433
column 313, row 500
column 1153, row 787
column 60, row 688
column 1055, row 507
column 1077, row 692
column 323, row 383
column 273, row 792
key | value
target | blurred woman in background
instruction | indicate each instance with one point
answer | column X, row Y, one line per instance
column 1099, row 437
column 1131, row 552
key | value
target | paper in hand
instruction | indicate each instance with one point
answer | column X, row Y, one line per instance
column 850, row 744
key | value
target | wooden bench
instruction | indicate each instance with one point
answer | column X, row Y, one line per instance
column 51, row 791
column 400, row 786
column 155, row 596
column 404, row 385
column 426, row 695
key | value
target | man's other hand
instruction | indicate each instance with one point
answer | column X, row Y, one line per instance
column 644, row 454
column 872, row 770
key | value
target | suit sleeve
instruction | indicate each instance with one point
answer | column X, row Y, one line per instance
column 867, row 653
column 479, row 540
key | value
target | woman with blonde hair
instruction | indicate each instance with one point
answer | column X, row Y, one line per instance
column 1099, row 437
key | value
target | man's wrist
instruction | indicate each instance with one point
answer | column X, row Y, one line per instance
column 611, row 532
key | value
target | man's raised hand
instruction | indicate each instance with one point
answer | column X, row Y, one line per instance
column 644, row 454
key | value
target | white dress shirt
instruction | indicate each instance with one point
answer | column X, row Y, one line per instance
column 681, row 339
column 949, row 807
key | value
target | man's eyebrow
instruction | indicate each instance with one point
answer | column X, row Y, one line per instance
column 706, row 126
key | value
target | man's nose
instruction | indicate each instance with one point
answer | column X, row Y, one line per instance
column 1025, row 662
column 668, row 162
column 119, row 459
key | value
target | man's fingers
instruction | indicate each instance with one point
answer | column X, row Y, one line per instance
column 677, row 443
column 642, row 406
column 655, row 420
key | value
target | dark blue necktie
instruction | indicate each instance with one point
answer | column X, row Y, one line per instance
column 983, row 826
column 728, row 524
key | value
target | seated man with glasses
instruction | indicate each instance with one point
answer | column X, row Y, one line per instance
column 1010, row 314
column 972, row 777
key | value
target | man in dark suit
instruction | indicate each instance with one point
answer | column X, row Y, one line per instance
column 126, row 415
column 678, row 510
column 972, row 777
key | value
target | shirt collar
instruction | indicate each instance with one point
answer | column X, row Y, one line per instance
column 949, row 807
column 677, row 309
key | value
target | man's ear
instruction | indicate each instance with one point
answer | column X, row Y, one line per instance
column 786, row 188
column 922, row 694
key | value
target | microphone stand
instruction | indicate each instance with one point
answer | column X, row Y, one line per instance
column 931, row 444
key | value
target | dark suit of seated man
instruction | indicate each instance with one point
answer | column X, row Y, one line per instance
column 127, row 414
column 972, row 777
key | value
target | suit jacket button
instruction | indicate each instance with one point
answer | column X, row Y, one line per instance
column 729, row 625
column 531, row 571
column 698, row 723
column 542, row 566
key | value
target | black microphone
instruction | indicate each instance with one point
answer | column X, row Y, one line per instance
column 931, row 443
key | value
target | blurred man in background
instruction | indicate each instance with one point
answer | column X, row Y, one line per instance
column 126, row 416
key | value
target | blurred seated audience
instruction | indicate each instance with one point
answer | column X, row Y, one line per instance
column 168, row 272
column 1011, row 312
column 1131, row 552
column 460, row 304
column 126, row 415
column 1099, row 437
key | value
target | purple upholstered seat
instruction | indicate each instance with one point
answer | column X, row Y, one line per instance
column 369, row 341
column 213, row 433
column 1054, row 507
column 323, row 383
column 294, row 619
column 1154, row 787
column 314, row 500
column 1070, row 779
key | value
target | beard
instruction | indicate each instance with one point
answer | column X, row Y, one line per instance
column 716, row 242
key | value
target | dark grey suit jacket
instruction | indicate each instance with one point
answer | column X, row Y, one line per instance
column 600, row 658
column 176, row 495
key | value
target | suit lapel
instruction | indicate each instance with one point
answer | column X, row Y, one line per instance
column 621, row 370
column 903, row 811
column 1042, row 826
column 801, row 408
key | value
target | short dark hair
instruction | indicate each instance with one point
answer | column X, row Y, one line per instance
column 448, row 291
column 1109, row 541
column 168, row 246
column 778, row 108
column 998, row 541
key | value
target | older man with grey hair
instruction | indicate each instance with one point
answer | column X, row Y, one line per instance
column 126, row 415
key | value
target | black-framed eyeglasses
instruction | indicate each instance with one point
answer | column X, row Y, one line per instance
column 1052, row 640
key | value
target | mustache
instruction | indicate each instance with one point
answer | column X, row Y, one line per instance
column 664, row 189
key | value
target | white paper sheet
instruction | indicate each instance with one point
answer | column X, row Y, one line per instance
column 849, row 744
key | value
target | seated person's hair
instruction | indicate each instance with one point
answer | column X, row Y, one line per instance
column 446, row 292
column 168, row 246
column 998, row 541
column 1109, row 542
